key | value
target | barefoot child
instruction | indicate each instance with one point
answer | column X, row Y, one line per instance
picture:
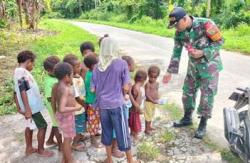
column 137, row 95
column 90, row 61
column 131, row 67
column 64, row 101
column 110, row 79
column 29, row 103
column 49, row 82
column 79, row 92
column 152, row 97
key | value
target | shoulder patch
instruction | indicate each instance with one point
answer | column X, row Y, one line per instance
column 212, row 31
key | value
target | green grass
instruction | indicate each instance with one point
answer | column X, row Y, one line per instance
column 237, row 39
column 147, row 151
column 167, row 137
column 58, row 38
column 175, row 112
column 65, row 40
column 229, row 156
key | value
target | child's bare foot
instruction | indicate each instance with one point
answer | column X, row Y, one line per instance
column 96, row 145
column 78, row 147
column 152, row 128
column 118, row 154
column 107, row 161
column 50, row 143
column 60, row 148
column 83, row 138
column 45, row 153
column 148, row 132
column 30, row 151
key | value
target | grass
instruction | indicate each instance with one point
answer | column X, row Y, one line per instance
column 228, row 156
column 167, row 137
column 237, row 39
column 174, row 110
column 147, row 151
column 58, row 38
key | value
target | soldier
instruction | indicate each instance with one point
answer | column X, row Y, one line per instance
column 202, row 39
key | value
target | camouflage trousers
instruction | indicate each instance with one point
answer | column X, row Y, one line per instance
column 208, row 87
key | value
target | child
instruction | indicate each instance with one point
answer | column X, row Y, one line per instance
column 137, row 95
column 64, row 102
column 85, row 48
column 29, row 103
column 79, row 92
column 49, row 82
column 131, row 68
column 92, row 113
column 152, row 97
column 110, row 79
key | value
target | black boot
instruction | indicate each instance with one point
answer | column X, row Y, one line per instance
column 201, row 131
column 185, row 121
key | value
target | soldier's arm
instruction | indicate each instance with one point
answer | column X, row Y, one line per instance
column 215, row 38
column 175, row 59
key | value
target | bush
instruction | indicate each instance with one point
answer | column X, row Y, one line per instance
column 3, row 24
column 53, row 15
column 232, row 19
column 119, row 18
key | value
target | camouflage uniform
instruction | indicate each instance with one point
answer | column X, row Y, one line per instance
column 202, row 73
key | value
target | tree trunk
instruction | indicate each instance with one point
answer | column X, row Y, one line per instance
column 19, row 5
column 208, row 8
column 3, row 10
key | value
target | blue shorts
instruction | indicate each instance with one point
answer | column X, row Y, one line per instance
column 126, row 112
column 114, row 119
column 80, row 123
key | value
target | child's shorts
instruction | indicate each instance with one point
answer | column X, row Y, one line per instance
column 126, row 112
column 39, row 120
column 114, row 119
column 134, row 121
column 66, row 122
column 93, row 120
column 149, row 111
column 80, row 123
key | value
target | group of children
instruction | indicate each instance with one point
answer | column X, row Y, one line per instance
column 71, row 101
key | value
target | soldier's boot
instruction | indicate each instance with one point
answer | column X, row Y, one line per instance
column 201, row 131
column 185, row 121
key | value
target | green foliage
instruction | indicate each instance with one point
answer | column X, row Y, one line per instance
column 167, row 137
column 147, row 151
column 53, row 15
column 6, row 101
column 238, row 39
column 3, row 24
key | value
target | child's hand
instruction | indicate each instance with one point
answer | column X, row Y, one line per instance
column 79, row 107
column 126, row 97
column 28, row 114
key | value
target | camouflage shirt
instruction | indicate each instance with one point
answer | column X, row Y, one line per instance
column 198, row 37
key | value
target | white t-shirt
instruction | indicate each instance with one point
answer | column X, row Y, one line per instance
column 33, row 93
column 79, row 91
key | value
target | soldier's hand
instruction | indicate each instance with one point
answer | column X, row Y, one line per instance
column 167, row 77
column 196, row 53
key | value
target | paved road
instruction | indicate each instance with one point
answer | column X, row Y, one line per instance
column 148, row 49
